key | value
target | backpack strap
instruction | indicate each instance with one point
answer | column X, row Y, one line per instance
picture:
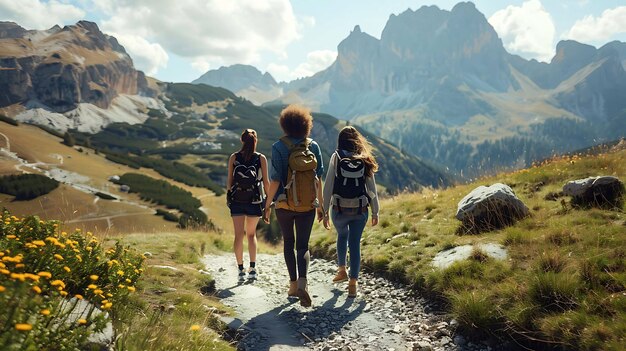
column 287, row 142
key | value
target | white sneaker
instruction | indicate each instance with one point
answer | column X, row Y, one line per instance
column 242, row 275
column 252, row 273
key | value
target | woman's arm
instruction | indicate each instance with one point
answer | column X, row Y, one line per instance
column 370, row 182
column 329, row 183
column 265, row 175
column 271, row 192
column 229, row 181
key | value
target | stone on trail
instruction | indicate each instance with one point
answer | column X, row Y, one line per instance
column 490, row 207
column 603, row 191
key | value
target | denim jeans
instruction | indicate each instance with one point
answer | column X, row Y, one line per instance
column 349, row 225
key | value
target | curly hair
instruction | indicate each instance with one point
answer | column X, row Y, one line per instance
column 351, row 140
column 296, row 121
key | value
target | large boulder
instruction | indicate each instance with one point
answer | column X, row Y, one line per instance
column 603, row 191
column 490, row 207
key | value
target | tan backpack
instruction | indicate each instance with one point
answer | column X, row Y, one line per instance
column 301, row 187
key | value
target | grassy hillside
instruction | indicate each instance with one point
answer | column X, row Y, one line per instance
column 564, row 282
column 192, row 141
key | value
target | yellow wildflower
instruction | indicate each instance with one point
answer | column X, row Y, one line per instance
column 67, row 269
column 121, row 286
column 2, row 288
column 11, row 236
column 78, row 296
column 194, row 327
column 45, row 312
column 5, row 271
column 18, row 276
column 93, row 277
column 82, row 321
column 128, row 281
column 131, row 289
column 120, row 273
column 39, row 243
column 58, row 257
column 63, row 293
column 45, row 274
column 92, row 286
column 98, row 292
column 58, row 283
column 37, row 289
column 32, row 277
column 20, row 265
column 107, row 306
column 23, row 327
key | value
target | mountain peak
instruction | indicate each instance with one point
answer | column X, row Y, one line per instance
column 357, row 29
column 465, row 7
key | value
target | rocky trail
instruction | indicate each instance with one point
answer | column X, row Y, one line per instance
column 385, row 315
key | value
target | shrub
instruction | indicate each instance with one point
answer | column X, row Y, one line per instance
column 163, row 193
column 27, row 186
column 105, row 196
column 168, row 216
column 561, row 237
column 554, row 291
column 475, row 313
column 41, row 268
column 9, row 120
column 551, row 262
column 68, row 139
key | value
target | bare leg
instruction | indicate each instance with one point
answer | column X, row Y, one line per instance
column 251, row 223
column 238, row 223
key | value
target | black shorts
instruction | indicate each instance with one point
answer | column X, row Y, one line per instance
column 241, row 209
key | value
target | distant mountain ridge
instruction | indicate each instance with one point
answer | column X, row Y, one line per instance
column 441, row 85
column 244, row 80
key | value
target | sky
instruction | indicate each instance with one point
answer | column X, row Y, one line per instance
column 178, row 40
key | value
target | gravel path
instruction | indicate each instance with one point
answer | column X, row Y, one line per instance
column 385, row 316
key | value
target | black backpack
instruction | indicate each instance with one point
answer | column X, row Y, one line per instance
column 350, row 180
column 247, row 178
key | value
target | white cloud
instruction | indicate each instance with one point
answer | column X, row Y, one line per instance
column 279, row 72
column 148, row 57
column 37, row 14
column 599, row 29
column 213, row 31
column 527, row 30
column 315, row 61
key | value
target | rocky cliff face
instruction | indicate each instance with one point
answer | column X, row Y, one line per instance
column 62, row 67
column 424, row 58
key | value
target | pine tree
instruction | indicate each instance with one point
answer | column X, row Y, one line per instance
column 68, row 139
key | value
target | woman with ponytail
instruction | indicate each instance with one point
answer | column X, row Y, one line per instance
column 247, row 179
column 349, row 189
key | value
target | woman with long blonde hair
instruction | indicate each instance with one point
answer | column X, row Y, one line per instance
column 349, row 189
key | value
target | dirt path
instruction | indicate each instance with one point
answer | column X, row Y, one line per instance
column 385, row 316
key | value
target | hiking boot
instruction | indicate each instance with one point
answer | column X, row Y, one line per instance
column 242, row 275
column 303, row 293
column 252, row 273
column 293, row 289
column 341, row 276
column 352, row 287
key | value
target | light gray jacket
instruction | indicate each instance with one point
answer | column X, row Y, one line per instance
column 331, row 199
